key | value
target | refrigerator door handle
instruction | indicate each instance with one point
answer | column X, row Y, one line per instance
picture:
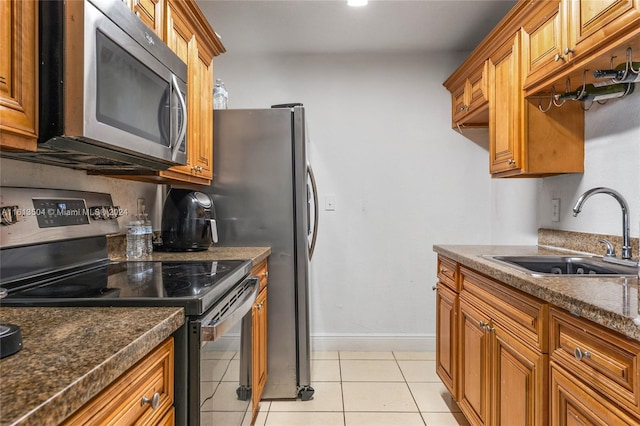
column 314, row 188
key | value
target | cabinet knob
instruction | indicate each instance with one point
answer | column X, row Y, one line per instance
column 511, row 161
column 579, row 354
column 442, row 270
column 154, row 400
column 435, row 287
column 490, row 329
column 568, row 50
column 483, row 324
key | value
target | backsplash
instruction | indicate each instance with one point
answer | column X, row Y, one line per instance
column 123, row 192
column 583, row 242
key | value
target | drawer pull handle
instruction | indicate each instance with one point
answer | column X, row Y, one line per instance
column 154, row 401
column 579, row 354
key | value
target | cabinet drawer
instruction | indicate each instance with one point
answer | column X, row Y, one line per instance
column 447, row 273
column 261, row 271
column 122, row 401
column 523, row 315
column 606, row 361
column 574, row 403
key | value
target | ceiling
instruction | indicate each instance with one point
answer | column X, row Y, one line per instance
column 330, row 26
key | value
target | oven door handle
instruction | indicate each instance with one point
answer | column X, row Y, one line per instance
column 211, row 332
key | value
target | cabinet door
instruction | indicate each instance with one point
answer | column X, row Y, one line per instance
column 505, row 108
column 543, row 42
column 259, row 349
column 474, row 365
column 590, row 23
column 519, row 381
column 574, row 404
column 446, row 337
column 201, row 150
column 18, row 75
column 459, row 103
column 181, row 39
column 151, row 12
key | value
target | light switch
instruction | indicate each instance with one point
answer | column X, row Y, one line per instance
column 555, row 210
column 330, row 202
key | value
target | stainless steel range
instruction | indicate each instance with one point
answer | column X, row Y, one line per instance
column 53, row 252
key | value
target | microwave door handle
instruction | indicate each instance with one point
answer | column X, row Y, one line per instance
column 183, row 128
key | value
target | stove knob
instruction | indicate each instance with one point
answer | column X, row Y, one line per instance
column 114, row 212
column 9, row 215
column 96, row 213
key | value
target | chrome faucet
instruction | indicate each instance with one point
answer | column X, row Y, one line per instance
column 626, row 244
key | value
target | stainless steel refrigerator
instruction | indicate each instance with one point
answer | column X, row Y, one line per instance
column 264, row 194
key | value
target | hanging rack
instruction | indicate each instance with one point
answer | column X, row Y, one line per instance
column 553, row 101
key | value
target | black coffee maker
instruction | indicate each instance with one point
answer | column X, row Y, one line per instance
column 188, row 221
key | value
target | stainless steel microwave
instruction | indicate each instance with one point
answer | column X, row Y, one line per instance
column 113, row 96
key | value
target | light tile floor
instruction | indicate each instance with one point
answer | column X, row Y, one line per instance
column 369, row 388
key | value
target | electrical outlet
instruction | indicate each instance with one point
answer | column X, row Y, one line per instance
column 555, row 210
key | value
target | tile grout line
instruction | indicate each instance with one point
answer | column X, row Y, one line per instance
column 409, row 387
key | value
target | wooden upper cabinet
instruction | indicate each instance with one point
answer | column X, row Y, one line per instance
column 590, row 23
column 151, row 12
column 504, row 108
column 18, row 75
column 469, row 99
column 544, row 41
column 191, row 37
column 523, row 140
column 565, row 37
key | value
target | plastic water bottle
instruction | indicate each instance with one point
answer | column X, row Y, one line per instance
column 148, row 235
column 135, row 240
column 220, row 95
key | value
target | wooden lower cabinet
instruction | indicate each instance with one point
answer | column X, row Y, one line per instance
column 492, row 357
column 446, row 337
column 519, row 381
column 518, row 361
column 574, row 404
column 259, row 339
column 475, row 365
column 259, row 350
column 141, row 396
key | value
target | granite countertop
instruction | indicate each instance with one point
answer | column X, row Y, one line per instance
column 69, row 355
column 608, row 301
column 255, row 254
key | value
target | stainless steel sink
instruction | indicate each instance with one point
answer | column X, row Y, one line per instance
column 543, row 265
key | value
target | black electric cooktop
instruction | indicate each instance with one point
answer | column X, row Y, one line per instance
column 195, row 285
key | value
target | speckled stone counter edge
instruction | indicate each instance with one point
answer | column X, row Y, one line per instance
column 116, row 247
column 53, row 409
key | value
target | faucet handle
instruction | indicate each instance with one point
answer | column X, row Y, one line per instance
column 611, row 252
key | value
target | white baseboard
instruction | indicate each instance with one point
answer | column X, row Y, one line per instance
column 374, row 342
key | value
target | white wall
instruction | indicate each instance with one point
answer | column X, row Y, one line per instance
column 612, row 159
column 124, row 193
column 403, row 181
